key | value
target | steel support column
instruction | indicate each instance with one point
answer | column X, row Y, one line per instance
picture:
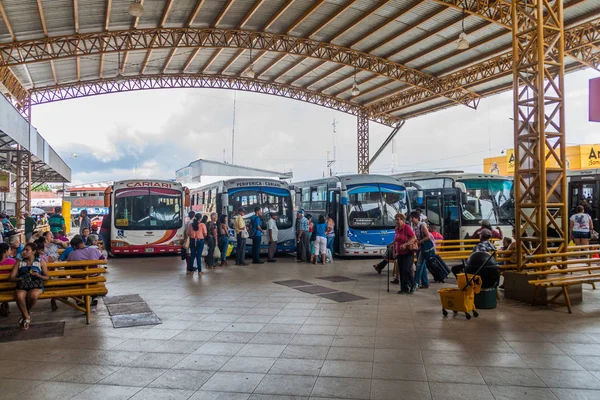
column 23, row 167
column 539, row 115
column 362, row 136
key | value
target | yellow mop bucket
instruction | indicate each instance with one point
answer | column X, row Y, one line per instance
column 461, row 299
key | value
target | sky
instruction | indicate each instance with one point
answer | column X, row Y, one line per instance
column 151, row 134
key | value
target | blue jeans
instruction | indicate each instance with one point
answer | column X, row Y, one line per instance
column 421, row 277
column 256, row 248
column 223, row 245
column 196, row 248
column 330, row 240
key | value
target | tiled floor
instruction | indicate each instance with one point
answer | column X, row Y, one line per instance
column 234, row 334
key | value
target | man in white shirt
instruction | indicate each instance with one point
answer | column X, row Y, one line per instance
column 273, row 236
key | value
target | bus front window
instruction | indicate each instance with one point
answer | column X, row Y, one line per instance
column 147, row 209
column 374, row 207
column 490, row 199
column 269, row 200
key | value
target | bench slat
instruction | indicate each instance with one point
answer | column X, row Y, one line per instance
column 562, row 271
column 58, row 282
column 94, row 290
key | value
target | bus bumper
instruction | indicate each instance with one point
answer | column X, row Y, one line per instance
column 146, row 250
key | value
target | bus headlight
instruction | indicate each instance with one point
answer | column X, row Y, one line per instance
column 288, row 243
column 118, row 243
column 176, row 243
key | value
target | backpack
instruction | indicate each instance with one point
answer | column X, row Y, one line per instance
column 250, row 227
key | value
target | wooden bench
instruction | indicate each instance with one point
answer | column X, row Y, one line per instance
column 564, row 281
column 76, row 280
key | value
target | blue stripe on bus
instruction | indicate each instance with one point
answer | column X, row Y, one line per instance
column 267, row 190
column 375, row 237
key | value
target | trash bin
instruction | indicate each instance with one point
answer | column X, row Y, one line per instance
column 490, row 276
column 486, row 299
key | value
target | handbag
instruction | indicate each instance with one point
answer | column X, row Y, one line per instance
column 244, row 234
column 205, row 251
column 186, row 242
column 595, row 235
column 427, row 247
column 217, row 252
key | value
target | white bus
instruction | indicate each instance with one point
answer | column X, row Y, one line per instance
column 146, row 216
column 363, row 206
column 457, row 202
column 271, row 195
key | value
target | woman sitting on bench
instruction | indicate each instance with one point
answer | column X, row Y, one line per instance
column 30, row 274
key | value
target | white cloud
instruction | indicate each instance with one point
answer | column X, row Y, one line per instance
column 153, row 133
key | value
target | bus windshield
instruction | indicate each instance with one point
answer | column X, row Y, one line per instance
column 268, row 199
column 490, row 199
column 147, row 209
column 374, row 206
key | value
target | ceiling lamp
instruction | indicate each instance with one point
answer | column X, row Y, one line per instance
column 355, row 88
column 463, row 40
column 119, row 77
column 136, row 9
column 250, row 73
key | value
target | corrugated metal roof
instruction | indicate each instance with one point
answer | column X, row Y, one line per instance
column 422, row 36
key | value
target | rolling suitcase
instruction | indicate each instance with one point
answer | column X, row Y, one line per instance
column 438, row 268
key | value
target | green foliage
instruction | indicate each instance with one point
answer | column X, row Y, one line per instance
column 44, row 187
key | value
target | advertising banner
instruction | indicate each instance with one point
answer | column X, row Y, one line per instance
column 4, row 182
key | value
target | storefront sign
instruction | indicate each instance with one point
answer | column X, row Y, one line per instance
column 85, row 202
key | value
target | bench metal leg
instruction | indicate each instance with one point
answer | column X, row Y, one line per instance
column 88, row 309
column 566, row 294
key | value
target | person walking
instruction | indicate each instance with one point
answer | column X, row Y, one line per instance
column 257, row 235
column 422, row 235
column 197, row 233
column 330, row 234
column 273, row 232
column 320, row 244
column 241, row 235
column 302, row 238
column 185, row 249
column 211, row 239
column 86, row 222
column 29, row 226
column 223, row 239
column 404, row 239
column 580, row 227
column 56, row 221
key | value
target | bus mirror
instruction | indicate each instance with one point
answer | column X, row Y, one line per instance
column 186, row 198
column 107, row 196
column 464, row 198
column 461, row 186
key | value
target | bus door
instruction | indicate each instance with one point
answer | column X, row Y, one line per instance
column 333, row 208
column 451, row 213
column 588, row 191
column 433, row 212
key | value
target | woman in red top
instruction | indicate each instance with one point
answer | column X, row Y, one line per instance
column 403, row 239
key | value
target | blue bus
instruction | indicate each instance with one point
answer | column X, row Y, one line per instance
column 363, row 206
column 271, row 195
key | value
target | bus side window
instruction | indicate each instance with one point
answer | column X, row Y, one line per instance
column 305, row 204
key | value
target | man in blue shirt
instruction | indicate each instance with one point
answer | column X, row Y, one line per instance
column 302, row 240
column 257, row 238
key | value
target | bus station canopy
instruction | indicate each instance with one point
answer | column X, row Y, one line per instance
column 387, row 60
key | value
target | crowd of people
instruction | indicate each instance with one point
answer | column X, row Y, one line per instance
column 28, row 262
column 206, row 239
